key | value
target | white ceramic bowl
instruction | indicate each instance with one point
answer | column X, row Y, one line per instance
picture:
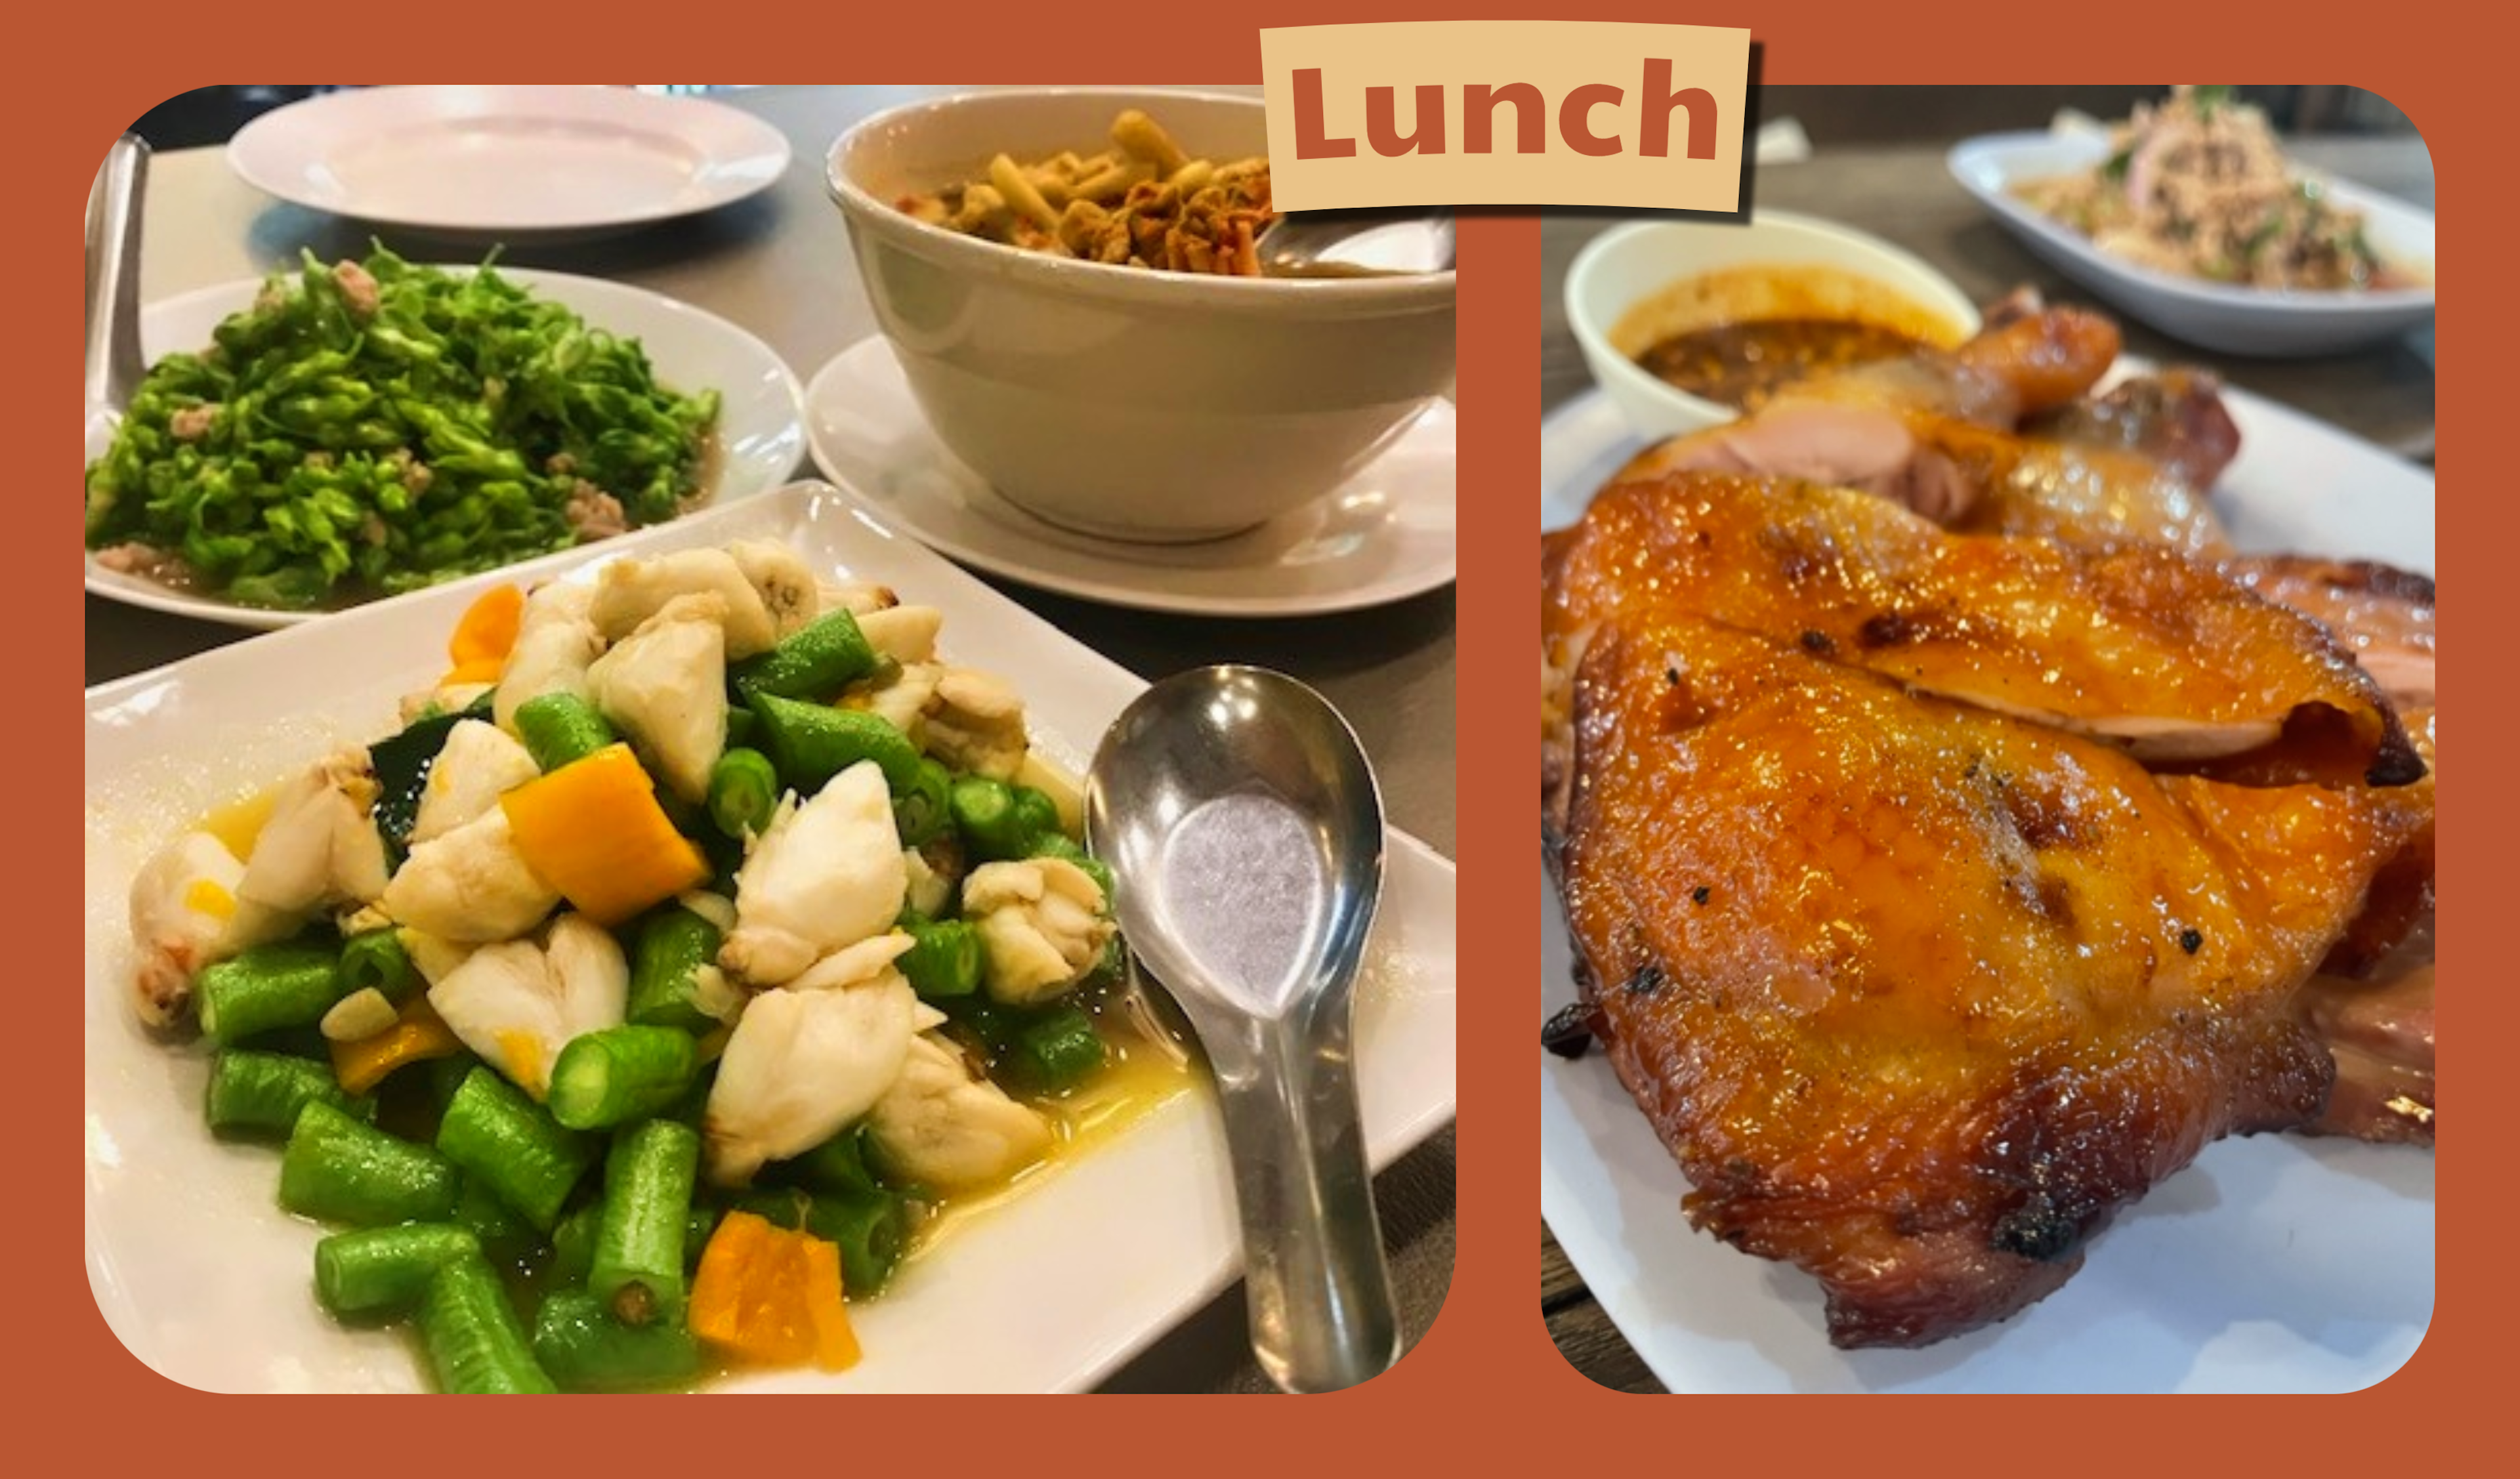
column 1129, row 404
column 1623, row 267
column 2235, row 320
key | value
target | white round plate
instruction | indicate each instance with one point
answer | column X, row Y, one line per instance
column 1382, row 536
column 2235, row 320
column 2272, row 1264
column 510, row 162
column 760, row 428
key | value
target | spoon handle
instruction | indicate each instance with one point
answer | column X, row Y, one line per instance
column 115, row 365
column 1322, row 1312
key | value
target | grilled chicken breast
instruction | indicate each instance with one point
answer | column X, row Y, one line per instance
column 1889, row 902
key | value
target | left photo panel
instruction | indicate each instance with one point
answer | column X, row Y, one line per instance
column 763, row 739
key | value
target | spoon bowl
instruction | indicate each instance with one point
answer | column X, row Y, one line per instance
column 1377, row 243
column 1244, row 821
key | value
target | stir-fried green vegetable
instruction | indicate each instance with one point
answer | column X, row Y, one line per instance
column 380, row 427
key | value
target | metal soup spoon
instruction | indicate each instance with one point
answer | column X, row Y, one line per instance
column 1355, row 244
column 1244, row 822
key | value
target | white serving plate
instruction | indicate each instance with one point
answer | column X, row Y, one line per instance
column 508, row 163
column 761, row 422
column 2275, row 1264
column 205, row 1280
column 2235, row 320
column 1383, row 535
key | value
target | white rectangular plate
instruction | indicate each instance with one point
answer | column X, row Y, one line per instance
column 204, row 1278
column 2271, row 1265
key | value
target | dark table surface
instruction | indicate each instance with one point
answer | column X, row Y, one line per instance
column 1905, row 195
column 780, row 266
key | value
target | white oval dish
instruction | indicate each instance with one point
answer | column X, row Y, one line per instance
column 2235, row 320
column 1117, row 402
column 508, row 163
column 761, row 428
column 1623, row 267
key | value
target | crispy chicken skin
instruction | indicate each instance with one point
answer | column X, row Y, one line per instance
column 1919, row 995
column 2383, row 615
column 2372, row 1002
column 2134, row 645
column 2175, row 419
column 1997, row 438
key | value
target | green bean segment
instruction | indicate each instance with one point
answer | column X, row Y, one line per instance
column 339, row 1170
column 1060, row 1050
column 674, row 946
column 385, row 1270
column 494, row 1132
column 586, row 1350
column 263, row 1092
column 561, row 729
column 944, row 960
column 925, row 807
column 376, row 961
column 476, row 1342
column 815, row 663
column 811, row 742
column 268, row 988
column 743, row 792
column 610, row 1078
column 638, row 1265
column 992, row 826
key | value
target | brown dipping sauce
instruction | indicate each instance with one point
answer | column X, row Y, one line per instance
column 1741, row 365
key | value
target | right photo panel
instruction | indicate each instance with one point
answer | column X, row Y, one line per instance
column 1988, row 753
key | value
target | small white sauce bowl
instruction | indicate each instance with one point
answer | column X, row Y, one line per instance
column 1624, row 267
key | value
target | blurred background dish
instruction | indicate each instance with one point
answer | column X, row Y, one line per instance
column 508, row 163
column 2235, row 318
column 1128, row 404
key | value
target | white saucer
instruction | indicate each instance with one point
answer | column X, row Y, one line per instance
column 1385, row 535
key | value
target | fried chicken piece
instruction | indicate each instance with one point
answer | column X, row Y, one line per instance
column 1917, row 994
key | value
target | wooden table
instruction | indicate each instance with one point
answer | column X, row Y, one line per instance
column 1905, row 195
column 780, row 266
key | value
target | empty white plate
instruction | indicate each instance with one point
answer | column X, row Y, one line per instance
column 1382, row 536
column 508, row 163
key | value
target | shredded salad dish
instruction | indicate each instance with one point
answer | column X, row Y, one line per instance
column 2197, row 186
